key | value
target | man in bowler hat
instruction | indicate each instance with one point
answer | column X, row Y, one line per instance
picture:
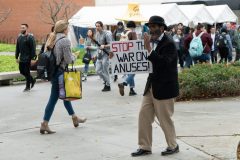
column 160, row 91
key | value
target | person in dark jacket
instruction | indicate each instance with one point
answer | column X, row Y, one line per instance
column 187, row 58
column 214, row 49
column 161, row 89
column 25, row 52
column 237, row 42
column 226, row 49
column 178, row 39
column 206, row 42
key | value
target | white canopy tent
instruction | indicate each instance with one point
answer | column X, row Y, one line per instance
column 222, row 13
column 170, row 12
column 87, row 16
column 197, row 14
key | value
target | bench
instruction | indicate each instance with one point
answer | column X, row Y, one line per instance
column 7, row 77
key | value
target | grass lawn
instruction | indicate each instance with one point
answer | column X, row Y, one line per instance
column 7, row 47
column 8, row 63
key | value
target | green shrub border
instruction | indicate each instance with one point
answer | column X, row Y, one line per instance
column 209, row 81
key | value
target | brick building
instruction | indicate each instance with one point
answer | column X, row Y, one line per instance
column 27, row 11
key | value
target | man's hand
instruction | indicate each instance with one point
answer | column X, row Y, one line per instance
column 111, row 55
column 94, row 58
column 33, row 62
column 147, row 42
column 102, row 46
column 17, row 60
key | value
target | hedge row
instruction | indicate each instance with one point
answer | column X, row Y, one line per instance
column 209, row 81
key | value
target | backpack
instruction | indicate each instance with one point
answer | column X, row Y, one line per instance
column 87, row 57
column 196, row 46
column 222, row 41
column 124, row 36
column 46, row 65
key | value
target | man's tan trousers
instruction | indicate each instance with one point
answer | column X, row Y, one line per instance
column 163, row 109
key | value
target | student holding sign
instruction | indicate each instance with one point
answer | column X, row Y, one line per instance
column 128, row 34
column 161, row 89
column 103, row 39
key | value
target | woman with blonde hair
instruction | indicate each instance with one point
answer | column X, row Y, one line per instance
column 61, row 46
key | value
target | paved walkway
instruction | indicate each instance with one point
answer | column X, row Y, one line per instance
column 206, row 130
column 7, row 53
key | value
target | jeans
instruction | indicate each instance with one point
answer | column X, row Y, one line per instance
column 24, row 68
column 205, row 57
column 54, row 98
column 86, row 68
column 102, row 68
column 130, row 80
column 230, row 55
column 188, row 61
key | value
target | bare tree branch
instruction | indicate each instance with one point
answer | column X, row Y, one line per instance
column 4, row 13
column 53, row 10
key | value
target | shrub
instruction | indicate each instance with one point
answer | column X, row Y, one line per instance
column 208, row 81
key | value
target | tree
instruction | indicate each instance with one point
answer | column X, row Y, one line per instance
column 4, row 12
column 53, row 10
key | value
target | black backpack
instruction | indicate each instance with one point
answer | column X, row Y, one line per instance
column 222, row 41
column 87, row 57
column 46, row 65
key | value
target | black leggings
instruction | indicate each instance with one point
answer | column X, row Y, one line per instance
column 180, row 58
column 24, row 68
column 223, row 54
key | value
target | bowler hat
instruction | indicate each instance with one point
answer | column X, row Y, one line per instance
column 157, row 20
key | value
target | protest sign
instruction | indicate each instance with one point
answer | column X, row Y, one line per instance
column 129, row 57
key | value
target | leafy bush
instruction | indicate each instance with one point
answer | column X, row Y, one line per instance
column 208, row 81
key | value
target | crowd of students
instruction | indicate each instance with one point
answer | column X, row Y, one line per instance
column 218, row 42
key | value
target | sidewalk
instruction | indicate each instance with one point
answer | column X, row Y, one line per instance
column 7, row 53
column 206, row 130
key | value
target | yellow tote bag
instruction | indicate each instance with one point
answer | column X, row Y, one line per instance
column 72, row 86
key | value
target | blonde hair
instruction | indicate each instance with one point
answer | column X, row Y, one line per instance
column 60, row 27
